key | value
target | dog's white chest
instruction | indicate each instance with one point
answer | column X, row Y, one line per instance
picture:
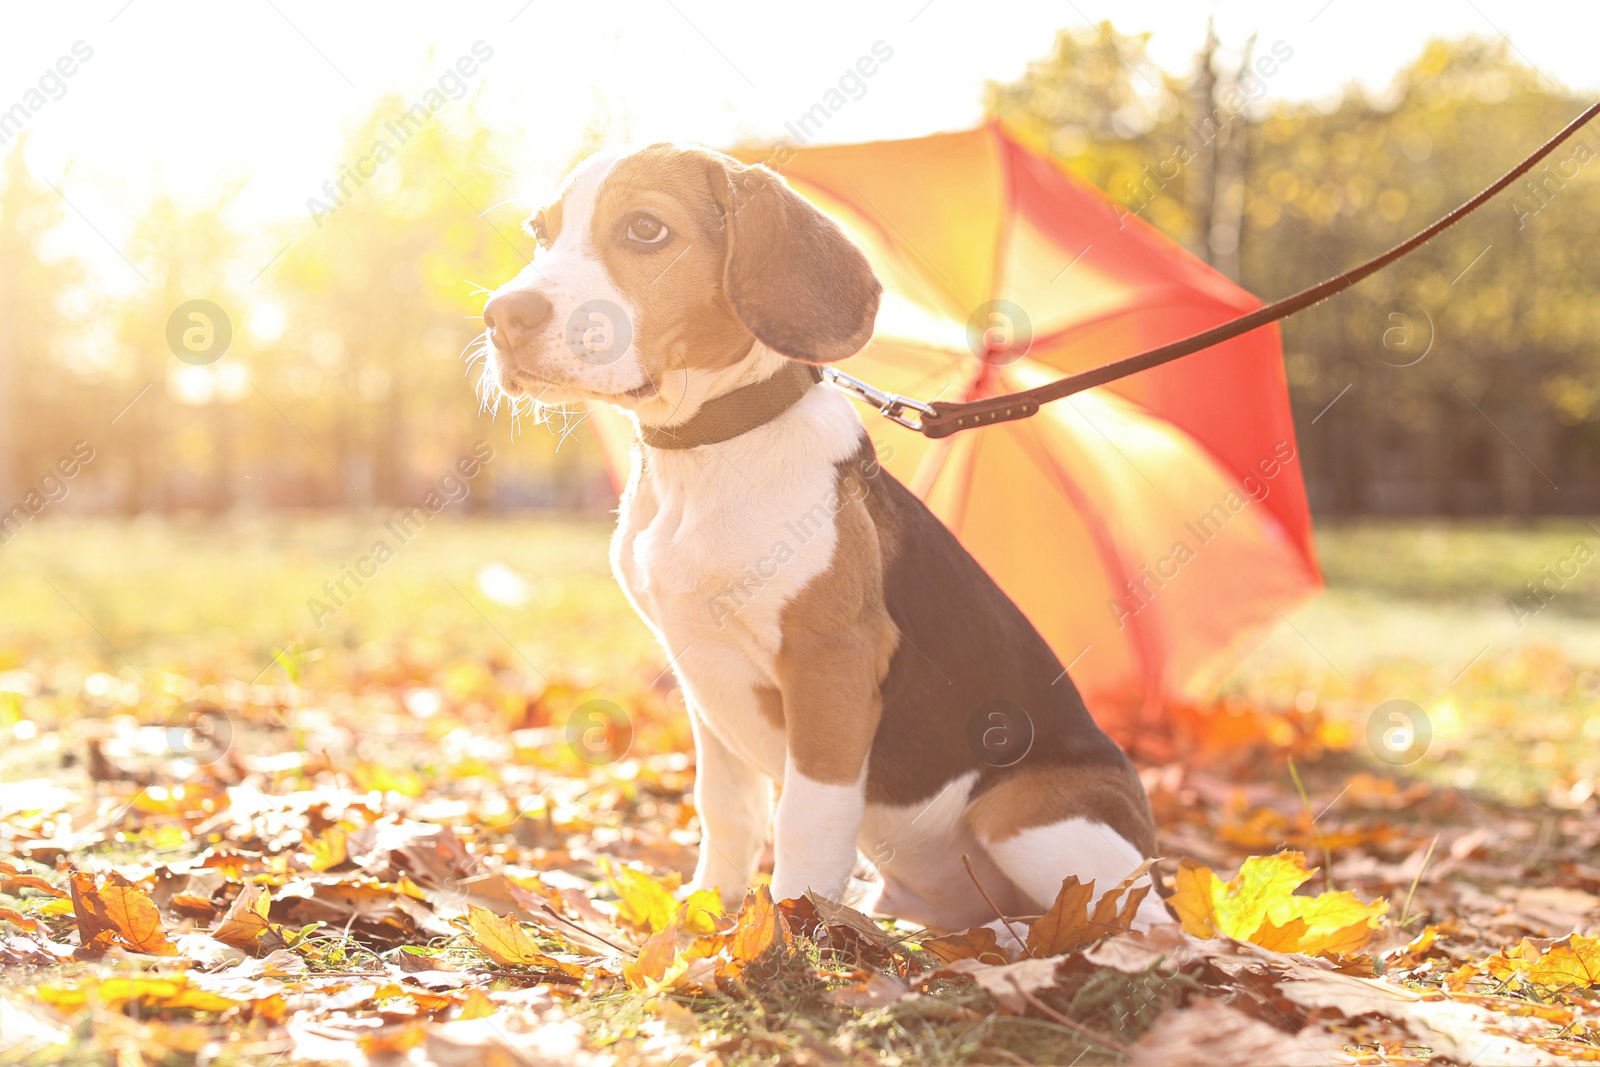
column 712, row 544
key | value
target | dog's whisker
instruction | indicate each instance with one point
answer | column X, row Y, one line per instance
column 491, row 207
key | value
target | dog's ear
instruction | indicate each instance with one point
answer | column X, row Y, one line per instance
column 794, row 279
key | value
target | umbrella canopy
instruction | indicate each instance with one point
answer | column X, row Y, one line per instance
column 1150, row 529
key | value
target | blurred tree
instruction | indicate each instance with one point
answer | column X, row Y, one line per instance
column 32, row 317
column 1462, row 380
column 1468, row 365
column 177, row 456
column 384, row 290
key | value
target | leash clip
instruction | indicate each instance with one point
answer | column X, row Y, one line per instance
column 891, row 406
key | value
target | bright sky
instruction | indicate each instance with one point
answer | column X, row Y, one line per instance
column 186, row 96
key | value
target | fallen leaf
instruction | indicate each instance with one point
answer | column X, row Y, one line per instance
column 168, row 993
column 1069, row 925
column 329, row 850
column 1259, row 905
column 1009, row 983
column 651, row 903
column 1209, row 1032
column 504, row 941
column 117, row 912
column 13, row 880
column 477, row 1005
column 1066, row 925
column 757, row 928
column 641, row 899
column 656, row 958
column 978, row 943
column 394, row 1041
column 246, row 918
column 1573, row 962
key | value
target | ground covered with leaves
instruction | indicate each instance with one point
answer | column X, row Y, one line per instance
column 449, row 828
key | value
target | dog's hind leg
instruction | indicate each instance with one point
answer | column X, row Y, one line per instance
column 1043, row 824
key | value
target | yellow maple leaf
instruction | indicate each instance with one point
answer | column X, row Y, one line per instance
column 651, row 903
column 1570, row 963
column 1259, row 905
column 506, row 942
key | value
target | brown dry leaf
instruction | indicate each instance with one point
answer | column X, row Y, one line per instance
column 1412, row 953
column 830, row 911
column 1066, row 925
column 246, row 919
column 658, row 957
column 117, row 912
column 1209, row 1032
column 1455, row 1032
column 543, row 907
column 1114, row 911
column 1012, row 983
column 38, row 951
column 978, row 943
column 394, row 1041
column 19, row 919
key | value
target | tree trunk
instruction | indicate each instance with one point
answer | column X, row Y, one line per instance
column 1200, row 187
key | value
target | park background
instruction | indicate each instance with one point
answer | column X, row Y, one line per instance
column 1446, row 411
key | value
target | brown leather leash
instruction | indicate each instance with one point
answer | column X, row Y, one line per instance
column 943, row 419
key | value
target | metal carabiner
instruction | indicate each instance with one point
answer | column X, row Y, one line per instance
column 891, row 406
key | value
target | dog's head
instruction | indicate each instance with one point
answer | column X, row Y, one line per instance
column 661, row 271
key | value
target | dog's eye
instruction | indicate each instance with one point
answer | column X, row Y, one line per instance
column 533, row 226
column 646, row 229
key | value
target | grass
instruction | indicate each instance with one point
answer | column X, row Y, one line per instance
column 110, row 617
column 1413, row 610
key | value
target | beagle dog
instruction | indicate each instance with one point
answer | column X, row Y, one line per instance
column 834, row 641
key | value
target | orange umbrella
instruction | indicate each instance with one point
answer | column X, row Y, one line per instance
column 1150, row 529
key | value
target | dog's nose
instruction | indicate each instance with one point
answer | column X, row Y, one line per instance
column 512, row 317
